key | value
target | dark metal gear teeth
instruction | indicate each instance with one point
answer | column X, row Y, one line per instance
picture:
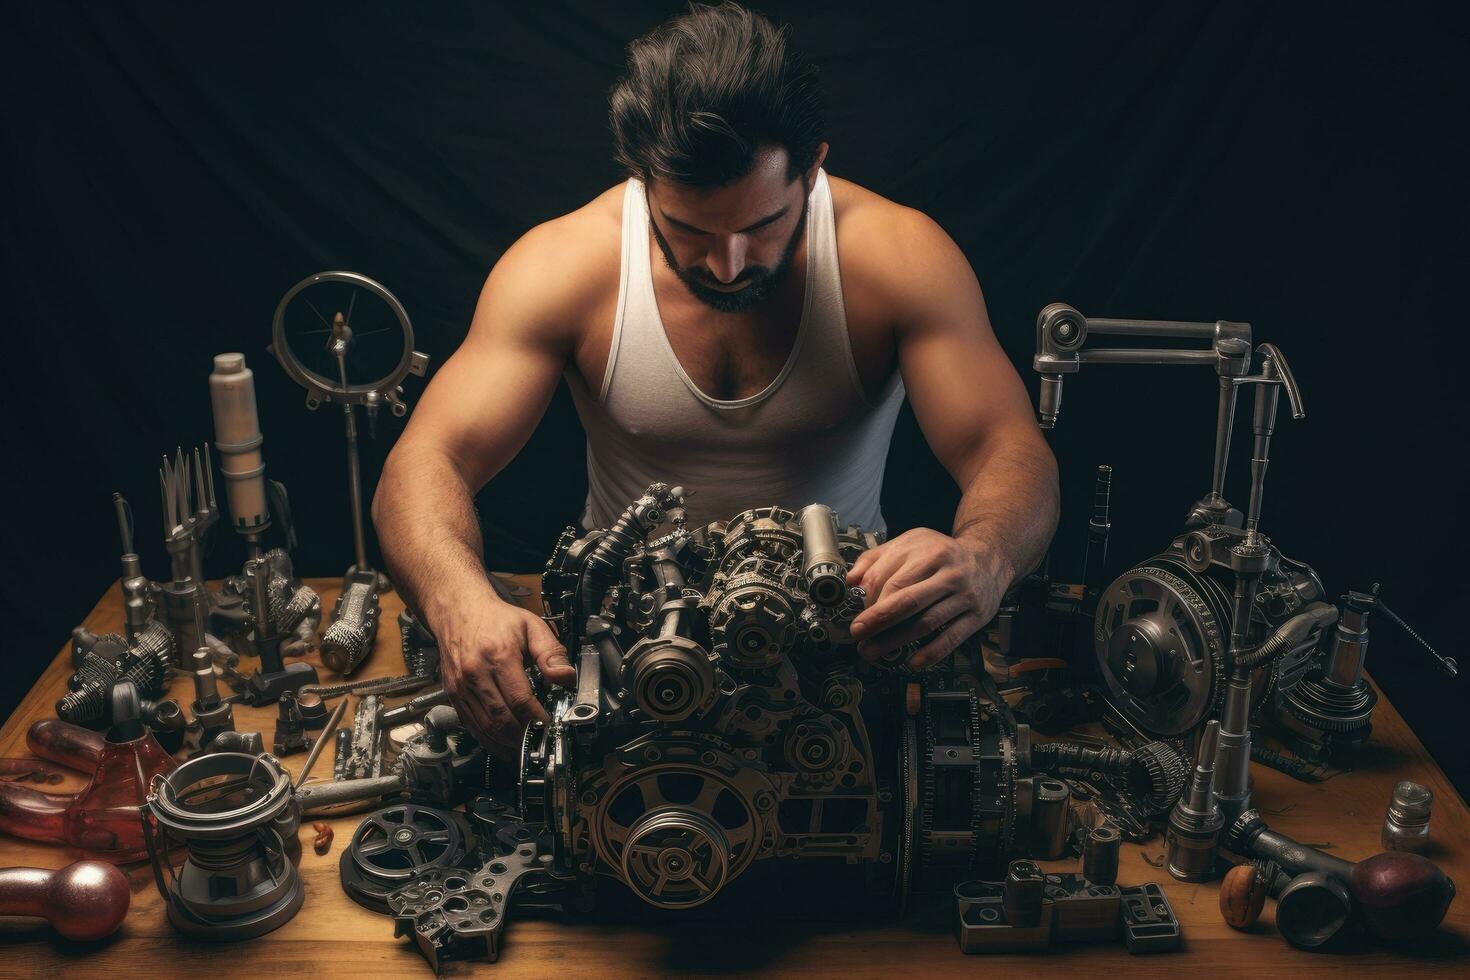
column 1319, row 707
column 1167, row 770
column 977, row 787
column 992, row 776
column 155, row 643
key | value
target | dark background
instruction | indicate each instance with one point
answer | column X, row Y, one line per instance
column 1299, row 167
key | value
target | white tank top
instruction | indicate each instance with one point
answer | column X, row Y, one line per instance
column 811, row 436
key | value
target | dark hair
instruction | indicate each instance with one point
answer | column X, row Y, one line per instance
column 705, row 90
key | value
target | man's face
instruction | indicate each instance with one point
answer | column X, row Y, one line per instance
column 731, row 246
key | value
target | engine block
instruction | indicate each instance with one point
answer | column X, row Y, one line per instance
column 721, row 715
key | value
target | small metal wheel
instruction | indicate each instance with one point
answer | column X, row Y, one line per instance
column 345, row 338
column 395, row 845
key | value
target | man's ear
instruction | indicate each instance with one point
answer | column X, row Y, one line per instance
column 811, row 175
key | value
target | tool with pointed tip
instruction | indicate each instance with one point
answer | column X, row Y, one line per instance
column 189, row 511
column 133, row 584
column 1194, row 824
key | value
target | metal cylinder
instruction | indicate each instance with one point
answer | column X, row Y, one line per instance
column 1049, row 401
column 1100, row 854
column 319, row 796
column 238, row 440
column 250, row 743
column 1049, row 819
column 1313, row 910
column 1406, row 826
column 822, row 565
column 206, row 685
column 1344, row 665
column 348, row 639
column 1195, row 822
column 1249, row 837
column 1232, row 757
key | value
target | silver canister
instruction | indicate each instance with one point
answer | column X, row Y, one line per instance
column 1406, row 827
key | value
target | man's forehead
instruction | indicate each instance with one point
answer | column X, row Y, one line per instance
column 763, row 191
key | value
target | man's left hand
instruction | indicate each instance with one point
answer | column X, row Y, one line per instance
column 922, row 582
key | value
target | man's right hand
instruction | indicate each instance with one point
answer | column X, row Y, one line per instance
column 484, row 652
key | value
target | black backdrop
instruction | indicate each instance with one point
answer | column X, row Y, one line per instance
column 1295, row 166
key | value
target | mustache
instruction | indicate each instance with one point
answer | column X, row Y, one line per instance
column 748, row 275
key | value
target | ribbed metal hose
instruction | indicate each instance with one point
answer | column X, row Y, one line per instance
column 1286, row 636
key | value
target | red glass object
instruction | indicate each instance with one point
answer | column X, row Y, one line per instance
column 32, row 814
column 65, row 744
column 104, row 819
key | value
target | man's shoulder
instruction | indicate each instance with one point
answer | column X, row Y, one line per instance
column 586, row 241
column 568, row 264
column 870, row 224
column 884, row 247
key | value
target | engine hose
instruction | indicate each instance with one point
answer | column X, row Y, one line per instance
column 603, row 566
column 1069, row 758
column 1307, row 772
column 1286, row 636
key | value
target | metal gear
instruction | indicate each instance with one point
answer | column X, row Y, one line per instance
column 1330, row 708
column 966, row 777
column 751, row 622
column 1166, row 770
column 908, row 763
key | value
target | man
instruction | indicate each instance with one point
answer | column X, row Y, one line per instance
column 710, row 340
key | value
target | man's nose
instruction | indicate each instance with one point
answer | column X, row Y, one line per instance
column 726, row 258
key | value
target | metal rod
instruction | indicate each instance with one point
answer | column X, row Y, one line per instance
column 321, row 740
column 354, row 490
column 124, row 523
column 1128, row 355
column 1150, row 328
column 1224, row 429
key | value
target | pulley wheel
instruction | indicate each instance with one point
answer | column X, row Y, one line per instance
column 395, row 845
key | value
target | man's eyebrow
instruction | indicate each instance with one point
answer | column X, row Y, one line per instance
column 776, row 216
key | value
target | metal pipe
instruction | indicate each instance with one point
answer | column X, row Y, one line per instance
column 822, row 564
column 354, row 488
column 1129, row 355
column 1224, row 429
column 1150, row 328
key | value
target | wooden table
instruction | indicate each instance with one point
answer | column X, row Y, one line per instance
column 332, row 935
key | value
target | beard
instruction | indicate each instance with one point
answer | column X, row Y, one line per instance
column 758, row 281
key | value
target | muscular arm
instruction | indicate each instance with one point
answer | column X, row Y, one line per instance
column 474, row 417
column 976, row 415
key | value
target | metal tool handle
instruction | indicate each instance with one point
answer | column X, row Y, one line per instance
column 315, row 796
column 1271, row 354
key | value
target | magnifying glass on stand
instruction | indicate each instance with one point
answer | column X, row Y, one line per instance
column 347, row 340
